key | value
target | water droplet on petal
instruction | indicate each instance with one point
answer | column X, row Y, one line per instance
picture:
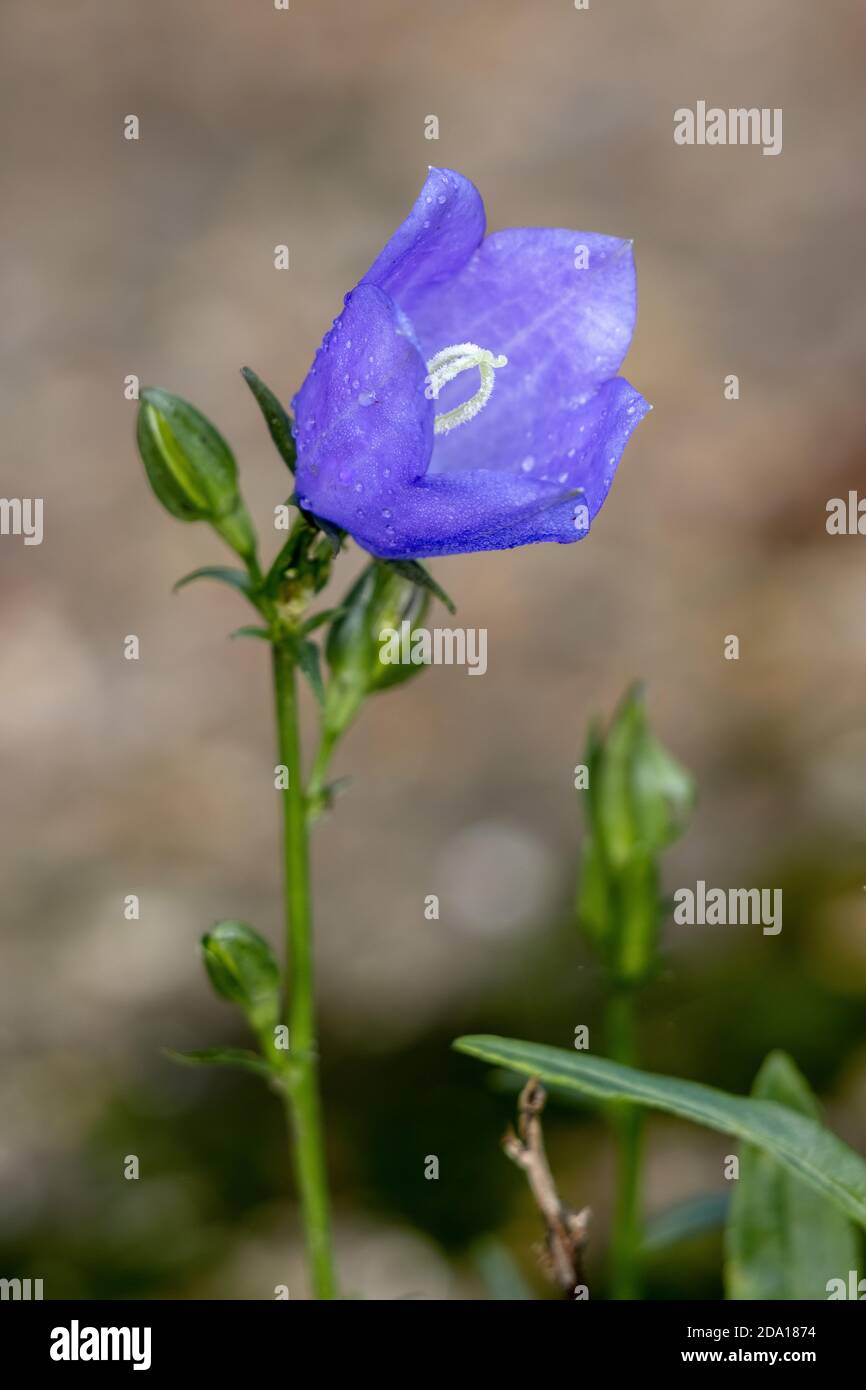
column 528, row 464
column 359, row 487
column 442, row 198
column 563, row 477
column 386, row 513
column 571, row 453
column 366, row 398
column 355, row 384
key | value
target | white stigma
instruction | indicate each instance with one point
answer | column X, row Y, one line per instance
column 448, row 364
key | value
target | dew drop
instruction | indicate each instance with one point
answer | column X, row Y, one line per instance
column 386, row 514
column 442, row 198
column 366, row 398
column 563, row 477
column 355, row 384
column 359, row 487
column 528, row 464
column 571, row 453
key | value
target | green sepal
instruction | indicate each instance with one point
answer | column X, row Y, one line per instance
column 276, row 417
column 414, row 571
column 263, row 633
column 301, row 568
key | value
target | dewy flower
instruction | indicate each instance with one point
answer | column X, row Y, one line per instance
column 467, row 397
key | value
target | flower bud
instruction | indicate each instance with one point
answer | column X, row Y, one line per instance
column 191, row 468
column 242, row 968
column 638, row 801
column 379, row 603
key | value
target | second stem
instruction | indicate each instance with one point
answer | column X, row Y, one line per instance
column 303, row 1104
column 628, row 1121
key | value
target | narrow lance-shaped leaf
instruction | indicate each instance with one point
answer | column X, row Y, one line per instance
column 783, row 1239
column 276, row 418
column 237, row 1058
column 224, row 574
column 807, row 1149
column 308, row 662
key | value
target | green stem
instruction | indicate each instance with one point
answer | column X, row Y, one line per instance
column 303, row 1106
column 628, row 1122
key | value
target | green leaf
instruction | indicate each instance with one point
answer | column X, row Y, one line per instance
column 783, row 1240
column 241, row 967
column 277, row 420
column 238, row 1057
column 237, row 579
column 262, row 633
column 412, row 570
column 308, row 662
column 803, row 1146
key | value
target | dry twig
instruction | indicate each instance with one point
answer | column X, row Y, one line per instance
column 566, row 1230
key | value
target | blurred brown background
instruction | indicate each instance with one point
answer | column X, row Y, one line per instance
column 156, row 258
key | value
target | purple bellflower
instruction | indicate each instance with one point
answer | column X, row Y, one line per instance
column 467, row 397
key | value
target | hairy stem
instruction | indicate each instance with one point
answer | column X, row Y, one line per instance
column 303, row 1105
